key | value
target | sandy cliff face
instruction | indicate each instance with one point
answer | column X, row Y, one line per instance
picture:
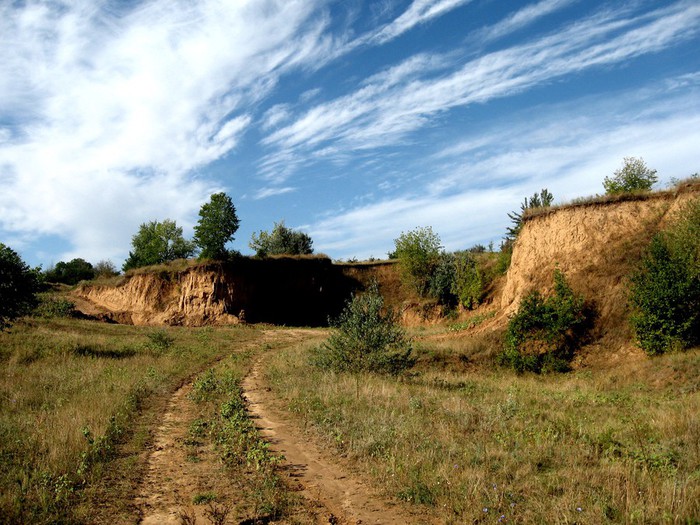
column 193, row 297
column 596, row 246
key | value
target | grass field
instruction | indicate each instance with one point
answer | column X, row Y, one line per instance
column 78, row 400
column 484, row 445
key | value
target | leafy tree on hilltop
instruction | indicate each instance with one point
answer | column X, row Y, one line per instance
column 633, row 176
column 156, row 243
column 217, row 224
column 18, row 286
column 71, row 272
column 281, row 240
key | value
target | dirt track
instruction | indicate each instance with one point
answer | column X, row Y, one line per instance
column 322, row 478
column 172, row 479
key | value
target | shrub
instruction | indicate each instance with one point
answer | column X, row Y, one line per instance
column 442, row 281
column 633, row 176
column 281, row 241
column 665, row 290
column 469, row 280
column 51, row 306
column 543, row 334
column 367, row 338
column 18, row 286
column 418, row 252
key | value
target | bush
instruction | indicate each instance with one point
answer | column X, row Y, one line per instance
column 442, row 281
column 71, row 272
column 469, row 281
column 281, row 241
column 51, row 306
column 418, row 252
column 665, row 290
column 18, row 286
column 633, row 176
column 367, row 338
column 543, row 334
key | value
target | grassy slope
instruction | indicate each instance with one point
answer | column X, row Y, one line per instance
column 588, row 447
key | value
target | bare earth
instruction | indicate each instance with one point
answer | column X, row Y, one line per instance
column 173, row 478
column 322, row 478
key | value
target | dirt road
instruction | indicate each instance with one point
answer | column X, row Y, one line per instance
column 322, row 478
column 178, row 470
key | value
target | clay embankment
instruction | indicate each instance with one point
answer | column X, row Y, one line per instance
column 283, row 291
column 596, row 246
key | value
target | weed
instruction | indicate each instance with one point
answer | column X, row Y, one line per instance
column 203, row 498
column 217, row 514
column 160, row 340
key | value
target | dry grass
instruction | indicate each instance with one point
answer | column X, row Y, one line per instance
column 690, row 184
column 479, row 446
column 75, row 402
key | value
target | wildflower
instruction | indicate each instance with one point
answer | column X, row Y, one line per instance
column 502, row 518
column 579, row 509
column 486, row 509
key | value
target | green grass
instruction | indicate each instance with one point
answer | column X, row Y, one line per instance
column 618, row 446
column 75, row 402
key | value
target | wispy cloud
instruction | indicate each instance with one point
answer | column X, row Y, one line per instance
column 521, row 18
column 475, row 181
column 419, row 12
column 272, row 191
column 390, row 106
column 104, row 114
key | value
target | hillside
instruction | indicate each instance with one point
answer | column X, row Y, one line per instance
column 595, row 244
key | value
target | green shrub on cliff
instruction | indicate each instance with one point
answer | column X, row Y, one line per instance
column 543, row 334
column 665, row 290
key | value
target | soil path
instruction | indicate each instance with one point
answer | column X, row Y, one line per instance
column 321, row 478
column 178, row 468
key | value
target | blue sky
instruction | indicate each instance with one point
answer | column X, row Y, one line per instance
column 351, row 120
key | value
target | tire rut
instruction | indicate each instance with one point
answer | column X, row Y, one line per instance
column 320, row 478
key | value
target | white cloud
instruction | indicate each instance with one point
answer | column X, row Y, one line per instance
column 110, row 112
column 521, row 18
column 409, row 96
column 419, row 12
column 568, row 149
column 264, row 193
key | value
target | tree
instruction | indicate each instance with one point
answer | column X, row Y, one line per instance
column 543, row 199
column 18, row 286
column 367, row 338
column 633, row 176
column 281, row 240
column 71, row 272
column 156, row 243
column 665, row 290
column 418, row 252
column 217, row 224
column 105, row 268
